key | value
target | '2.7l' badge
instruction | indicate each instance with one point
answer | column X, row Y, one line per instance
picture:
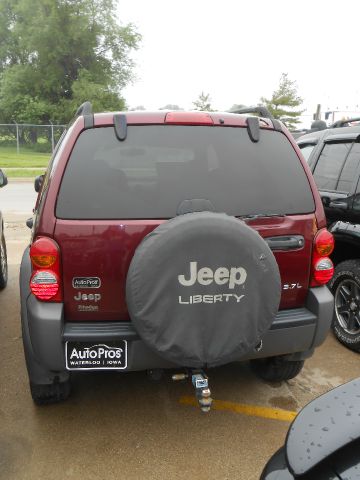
column 86, row 282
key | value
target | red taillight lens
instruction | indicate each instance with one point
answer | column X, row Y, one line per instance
column 322, row 266
column 324, row 243
column 44, row 285
column 44, row 252
column 45, row 281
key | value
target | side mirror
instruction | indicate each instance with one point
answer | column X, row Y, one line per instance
column 3, row 179
column 38, row 183
column 30, row 222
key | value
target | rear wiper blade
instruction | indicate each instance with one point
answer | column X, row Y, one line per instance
column 262, row 215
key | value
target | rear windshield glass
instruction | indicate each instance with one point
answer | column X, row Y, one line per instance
column 158, row 167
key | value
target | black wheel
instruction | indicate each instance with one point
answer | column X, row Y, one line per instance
column 345, row 285
column 3, row 263
column 276, row 369
column 52, row 393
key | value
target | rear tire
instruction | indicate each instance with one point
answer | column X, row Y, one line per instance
column 276, row 369
column 3, row 263
column 345, row 286
column 52, row 393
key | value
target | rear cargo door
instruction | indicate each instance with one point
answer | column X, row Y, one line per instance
column 114, row 193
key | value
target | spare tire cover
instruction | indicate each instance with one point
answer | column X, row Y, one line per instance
column 202, row 289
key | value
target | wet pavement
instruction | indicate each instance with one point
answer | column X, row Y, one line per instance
column 122, row 426
column 18, row 197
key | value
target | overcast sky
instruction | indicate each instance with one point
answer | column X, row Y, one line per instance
column 236, row 51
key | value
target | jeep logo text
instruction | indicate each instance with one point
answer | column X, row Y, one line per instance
column 91, row 297
column 205, row 276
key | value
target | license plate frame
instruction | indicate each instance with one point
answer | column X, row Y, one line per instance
column 107, row 355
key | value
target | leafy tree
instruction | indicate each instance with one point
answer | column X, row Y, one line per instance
column 284, row 102
column 55, row 54
column 203, row 102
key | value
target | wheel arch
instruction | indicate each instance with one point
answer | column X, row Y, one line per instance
column 347, row 244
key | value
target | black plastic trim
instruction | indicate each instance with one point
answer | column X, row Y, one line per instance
column 262, row 111
column 120, row 125
column 253, row 127
column 295, row 317
column 88, row 121
column 87, row 331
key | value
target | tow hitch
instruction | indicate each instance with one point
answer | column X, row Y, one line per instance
column 200, row 381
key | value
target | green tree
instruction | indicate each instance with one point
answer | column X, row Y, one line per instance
column 284, row 102
column 55, row 54
column 203, row 102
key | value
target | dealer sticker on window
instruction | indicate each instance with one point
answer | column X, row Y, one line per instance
column 96, row 356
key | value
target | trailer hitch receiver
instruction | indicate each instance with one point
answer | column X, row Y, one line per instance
column 200, row 382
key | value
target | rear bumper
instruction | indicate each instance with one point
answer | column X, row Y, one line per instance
column 294, row 332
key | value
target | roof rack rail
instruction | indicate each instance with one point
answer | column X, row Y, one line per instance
column 343, row 123
column 262, row 111
column 84, row 109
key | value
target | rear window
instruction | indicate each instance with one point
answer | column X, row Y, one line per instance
column 157, row 167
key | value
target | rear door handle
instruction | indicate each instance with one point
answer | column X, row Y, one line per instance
column 338, row 204
column 292, row 242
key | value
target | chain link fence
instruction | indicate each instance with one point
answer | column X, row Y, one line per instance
column 27, row 136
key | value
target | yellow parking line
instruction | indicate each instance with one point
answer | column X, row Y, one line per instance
column 251, row 410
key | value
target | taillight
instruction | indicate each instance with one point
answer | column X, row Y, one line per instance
column 44, row 285
column 45, row 280
column 188, row 118
column 322, row 266
column 324, row 243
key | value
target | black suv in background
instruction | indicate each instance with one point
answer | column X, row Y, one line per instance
column 334, row 158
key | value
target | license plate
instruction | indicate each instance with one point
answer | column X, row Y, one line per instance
column 96, row 356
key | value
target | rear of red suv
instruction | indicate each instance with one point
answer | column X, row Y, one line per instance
column 174, row 240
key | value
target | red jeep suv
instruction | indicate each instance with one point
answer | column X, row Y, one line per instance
column 174, row 240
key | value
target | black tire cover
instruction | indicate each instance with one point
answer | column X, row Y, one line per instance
column 202, row 289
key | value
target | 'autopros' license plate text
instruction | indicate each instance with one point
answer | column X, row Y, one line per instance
column 99, row 356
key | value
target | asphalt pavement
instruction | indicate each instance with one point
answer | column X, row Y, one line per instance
column 122, row 426
column 18, row 197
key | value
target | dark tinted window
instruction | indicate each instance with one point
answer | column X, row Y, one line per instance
column 330, row 165
column 349, row 172
column 157, row 167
